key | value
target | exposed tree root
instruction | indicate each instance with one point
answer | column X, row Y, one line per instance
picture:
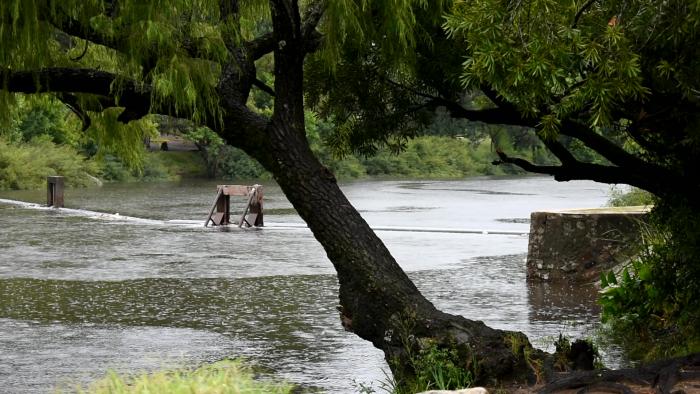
column 659, row 377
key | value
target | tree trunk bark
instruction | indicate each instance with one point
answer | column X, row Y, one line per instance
column 378, row 301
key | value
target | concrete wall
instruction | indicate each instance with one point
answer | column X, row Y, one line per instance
column 576, row 245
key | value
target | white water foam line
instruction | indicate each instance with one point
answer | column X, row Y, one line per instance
column 446, row 230
column 83, row 212
column 271, row 225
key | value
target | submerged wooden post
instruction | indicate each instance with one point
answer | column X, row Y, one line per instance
column 55, row 186
column 256, row 208
column 219, row 193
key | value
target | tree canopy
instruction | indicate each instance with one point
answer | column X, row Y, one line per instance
column 618, row 77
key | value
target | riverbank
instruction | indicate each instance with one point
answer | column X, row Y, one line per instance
column 425, row 157
column 26, row 165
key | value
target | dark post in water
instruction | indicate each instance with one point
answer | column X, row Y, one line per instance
column 54, row 191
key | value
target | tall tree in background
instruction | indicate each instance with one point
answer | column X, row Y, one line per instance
column 115, row 61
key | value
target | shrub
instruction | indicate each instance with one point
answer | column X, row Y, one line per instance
column 657, row 296
column 631, row 197
column 26, row 166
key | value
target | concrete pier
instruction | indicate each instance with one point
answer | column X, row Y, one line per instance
column 576, row 245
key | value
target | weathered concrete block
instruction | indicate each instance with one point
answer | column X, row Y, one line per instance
column 576, row 245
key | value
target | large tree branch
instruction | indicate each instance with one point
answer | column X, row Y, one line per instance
column 312, row 17
column 586, row 171
column 604, row 147
column 596, row 142
column 626, row 166
column 289, row 63
column 72, row 102
column 75, row 28
column 264, row 87
column 489, row 115
column 135, row 97
column 457, row 110
column 241, row 126
column 559, row 150
column 260, row 46
column 265, row 43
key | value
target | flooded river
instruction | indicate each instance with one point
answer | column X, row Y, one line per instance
column 82, row 293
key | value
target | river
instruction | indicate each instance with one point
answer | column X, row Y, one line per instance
column 82, row 293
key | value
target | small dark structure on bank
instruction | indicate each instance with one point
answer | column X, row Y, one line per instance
column 220, row 212
column 55, row 185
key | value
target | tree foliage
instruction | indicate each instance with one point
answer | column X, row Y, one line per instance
column 617, row 80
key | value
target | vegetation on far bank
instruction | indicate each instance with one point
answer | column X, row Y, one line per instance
column 44, row 139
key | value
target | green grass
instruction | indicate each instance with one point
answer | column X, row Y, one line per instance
column 223, row 377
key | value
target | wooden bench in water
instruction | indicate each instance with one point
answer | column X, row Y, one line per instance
column 220, row 212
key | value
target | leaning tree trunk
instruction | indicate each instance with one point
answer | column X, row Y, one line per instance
column 378, row 301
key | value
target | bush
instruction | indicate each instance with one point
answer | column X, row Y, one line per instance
column 434, row 157
column 26, row 166
column 156, row 166
column 233, row 163
column 657, row 296
column 631, row 197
